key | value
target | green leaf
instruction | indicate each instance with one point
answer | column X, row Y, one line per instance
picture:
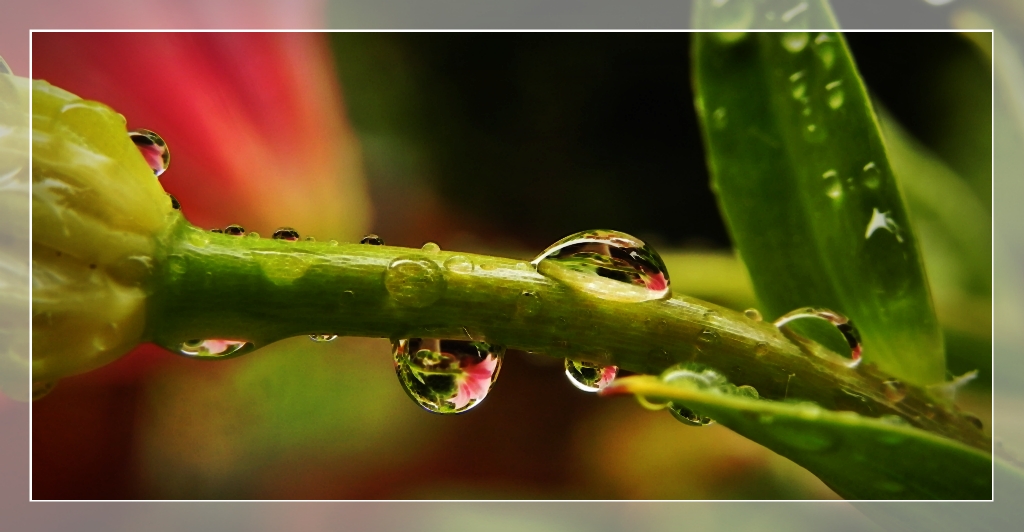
column 808, row 193
column 857, row 456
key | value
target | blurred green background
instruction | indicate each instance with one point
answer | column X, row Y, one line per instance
column 503, row 143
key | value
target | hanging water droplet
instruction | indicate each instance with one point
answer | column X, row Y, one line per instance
column 174, row 203
column 431, row 247
column 286, row 233
column 894, row 390
column 153, row 149
column 688, row 417
column 608, row 264
column 414, row 282
column 372, row 240
column 214, row 348
column 842, row 323
column 795, row 41
column 234, row 230
column 446, row 376
column 323, row 337
column 872, row 175
column 458, row 264
column 588, row 376
column 719, row 118
column 253, row 234
column 752, row 314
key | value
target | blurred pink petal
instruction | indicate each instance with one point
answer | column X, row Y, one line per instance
column 254, row 121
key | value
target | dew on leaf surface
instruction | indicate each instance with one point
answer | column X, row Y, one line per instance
column 286, row 233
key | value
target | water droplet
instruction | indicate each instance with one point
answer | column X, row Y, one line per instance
column 974, row 420
column 214, row 348
column 752, row 314
column 458, row 264
column 323, row 337
column 528, row 303
column 842, row 323
column 446, row 376
column 835, row 99
column 747, row 391
column 217, row 230
column 431, row 247
column 588, row 376
column 234, row 230
column 719, row 118
column 332, row 242
column 709, row 336
column 894, row 390
column 688, row 417
column 835, row 190
column 524, row 266
column 174, row 203
column 795, row 41
column 153, row 149
column 42, row 389
column 372, row 240
column 872, row 176
column 488, row 266
column 799, row 90
column 792, row 13
column 309, row 239
column 693, row 376
column 761, row 349
column 253, row 234
column 881, row 220
column 824, row 49
column 608, row 264
column 798, row 75
column 414, row 282
column 286, row 233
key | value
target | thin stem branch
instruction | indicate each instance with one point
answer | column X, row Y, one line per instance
column 262, row 290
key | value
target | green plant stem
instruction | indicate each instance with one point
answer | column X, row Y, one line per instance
column 261, row 290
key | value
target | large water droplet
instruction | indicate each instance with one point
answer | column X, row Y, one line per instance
column 234, row 230
column 153, row 149
column 752, row 314
column 795, row 41
column 446, row 376
column 286, row 233
column 372, row 240
column 842, row 323
column 414, row 282
column 214, row 348
column 588, row 376
column 608, row 264
column 323, row 337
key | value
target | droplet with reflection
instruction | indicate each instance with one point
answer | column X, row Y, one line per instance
column 153, row 149
column 446, row 376
column 588, row 376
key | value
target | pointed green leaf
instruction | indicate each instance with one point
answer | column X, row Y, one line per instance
column 808, row 193
column 857, row 456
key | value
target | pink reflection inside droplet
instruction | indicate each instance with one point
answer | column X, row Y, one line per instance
column 475, row 381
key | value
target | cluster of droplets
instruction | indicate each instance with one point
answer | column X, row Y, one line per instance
column 446, row 376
